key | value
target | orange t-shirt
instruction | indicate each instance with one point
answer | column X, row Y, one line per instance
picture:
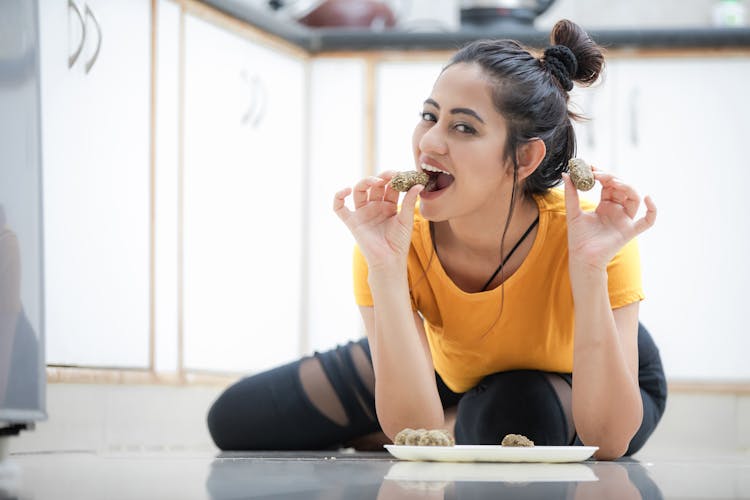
column 535, row 330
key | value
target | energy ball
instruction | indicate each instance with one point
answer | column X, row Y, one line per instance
column 405, row 435
column 517, row 440
column 435, row 438
column 424, row 437
column 581, row 174
column 404, row 181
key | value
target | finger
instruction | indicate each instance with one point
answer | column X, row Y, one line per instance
column 406, row 215
column 387, row 174
column 339, row 204
column 604, row 178
column 624, row 194
column 617, row 186
column 391, row 195
column 572, row 202
column 377, row 191
column 631, row 206
column 617, row 196
column 648, row 219
column 361, row 191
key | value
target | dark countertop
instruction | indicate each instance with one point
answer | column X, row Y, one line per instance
column 341, row 40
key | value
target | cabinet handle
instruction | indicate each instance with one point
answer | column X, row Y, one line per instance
column 261, row 98
column 257, row 107
column 90, row 63
column 634, row 94
column 251, row 82
column 74, row 57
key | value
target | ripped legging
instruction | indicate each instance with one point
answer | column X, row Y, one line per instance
column 327, row 400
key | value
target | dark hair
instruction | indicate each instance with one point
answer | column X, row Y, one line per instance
column 531, row 93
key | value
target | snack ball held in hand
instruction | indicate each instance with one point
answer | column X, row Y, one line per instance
column 404, row 181
column 581, row 174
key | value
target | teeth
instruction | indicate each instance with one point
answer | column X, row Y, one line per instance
column 430, row 168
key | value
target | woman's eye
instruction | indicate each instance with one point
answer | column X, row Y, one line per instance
column 463, row 128
column 427, row 116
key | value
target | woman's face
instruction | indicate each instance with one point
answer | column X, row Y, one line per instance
column 460, row 138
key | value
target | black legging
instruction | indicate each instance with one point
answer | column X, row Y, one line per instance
column 271, row 410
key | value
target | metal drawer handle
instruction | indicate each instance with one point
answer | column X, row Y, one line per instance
column 74, row 57
column 92, row 61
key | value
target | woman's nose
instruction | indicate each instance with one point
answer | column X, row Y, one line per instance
column 433, row 141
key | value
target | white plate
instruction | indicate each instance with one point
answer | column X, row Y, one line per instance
column 489, row 453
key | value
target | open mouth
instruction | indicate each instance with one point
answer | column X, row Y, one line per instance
column 438, row 179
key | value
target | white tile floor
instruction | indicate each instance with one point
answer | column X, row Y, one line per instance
column 151, row 442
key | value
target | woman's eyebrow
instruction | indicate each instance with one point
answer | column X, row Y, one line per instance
column 465, row 111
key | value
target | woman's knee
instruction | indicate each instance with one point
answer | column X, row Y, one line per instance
column 233, row 415
column 215, row 419
column 515, row 402
column 277, row 409
column 651, row 377
column 249, row 414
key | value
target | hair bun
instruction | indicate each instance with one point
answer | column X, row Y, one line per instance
column 569, row 42
column 563, row 64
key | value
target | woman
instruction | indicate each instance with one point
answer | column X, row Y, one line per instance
column 501, row 305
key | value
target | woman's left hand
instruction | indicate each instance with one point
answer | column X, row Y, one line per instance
column 595, row 237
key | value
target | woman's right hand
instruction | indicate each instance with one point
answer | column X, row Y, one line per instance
column 383, row 233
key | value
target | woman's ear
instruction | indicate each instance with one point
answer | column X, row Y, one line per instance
column 530, row 155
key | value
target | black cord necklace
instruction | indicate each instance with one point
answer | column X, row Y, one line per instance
column 505, row 260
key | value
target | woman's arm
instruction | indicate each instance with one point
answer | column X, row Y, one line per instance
column 405, row 389
column 607, row 406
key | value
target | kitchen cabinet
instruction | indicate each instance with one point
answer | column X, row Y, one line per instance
column 680, row 131
column 95, row 91
column 242, row 201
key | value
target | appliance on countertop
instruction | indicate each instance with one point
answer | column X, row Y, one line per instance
column 371, row 14
column 490, row 13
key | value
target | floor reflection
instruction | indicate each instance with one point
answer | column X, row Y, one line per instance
column 438, row 481
column 339, row 477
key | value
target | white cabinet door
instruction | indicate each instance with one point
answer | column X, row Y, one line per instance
column 337, row 124
column 242, row 202
column 402, row 87
column 95, row 119
column 681, row 131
